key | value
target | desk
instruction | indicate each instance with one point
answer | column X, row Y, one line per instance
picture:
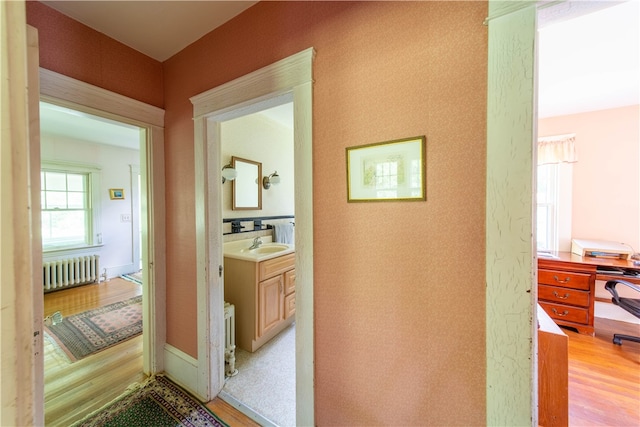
column 566, row 286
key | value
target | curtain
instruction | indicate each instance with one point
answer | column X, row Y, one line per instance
column 557, row 149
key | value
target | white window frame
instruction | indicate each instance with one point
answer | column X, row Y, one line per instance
column 548, row 172
column 94, row 226
column 560, row 203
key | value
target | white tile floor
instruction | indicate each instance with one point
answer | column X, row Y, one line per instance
column 265, row 386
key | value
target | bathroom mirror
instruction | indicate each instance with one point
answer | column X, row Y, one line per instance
column 247, row 191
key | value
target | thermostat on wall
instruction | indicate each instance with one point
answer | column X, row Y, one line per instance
column 600, row 248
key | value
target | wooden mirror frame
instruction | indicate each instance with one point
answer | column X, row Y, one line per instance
column 243, row 185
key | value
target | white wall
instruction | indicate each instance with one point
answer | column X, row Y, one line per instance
column 116, row 252
column 254, row 137
column 606, row 177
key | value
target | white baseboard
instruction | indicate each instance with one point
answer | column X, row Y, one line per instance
column 181, row 368
column 119, row 270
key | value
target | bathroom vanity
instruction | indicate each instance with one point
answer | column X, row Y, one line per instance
column 260, row 282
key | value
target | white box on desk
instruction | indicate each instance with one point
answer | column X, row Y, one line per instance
column 600, row 248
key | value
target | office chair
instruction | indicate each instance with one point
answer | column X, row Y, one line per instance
column 631, row 305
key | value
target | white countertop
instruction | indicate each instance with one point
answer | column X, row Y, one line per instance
column 239, row 250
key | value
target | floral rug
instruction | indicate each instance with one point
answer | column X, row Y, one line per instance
column 158, row 402
column 91, row 331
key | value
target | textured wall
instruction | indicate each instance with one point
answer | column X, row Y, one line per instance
column 399, row 287
column 75, row 50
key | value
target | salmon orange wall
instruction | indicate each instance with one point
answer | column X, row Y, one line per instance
column 606, row 200
column 75, row 50
column 399, row 287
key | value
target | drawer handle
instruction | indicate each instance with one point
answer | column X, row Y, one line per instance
column 565, row 296
column 564, row 313
column 561, row 281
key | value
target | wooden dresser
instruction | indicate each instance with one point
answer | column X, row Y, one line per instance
column 566, row 286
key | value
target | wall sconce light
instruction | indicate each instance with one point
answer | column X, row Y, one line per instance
column 274, row 179
column 228, row 173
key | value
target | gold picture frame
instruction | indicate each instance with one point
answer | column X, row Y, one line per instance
column 116, row 193
column 387, row 171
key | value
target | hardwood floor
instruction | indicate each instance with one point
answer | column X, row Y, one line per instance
column 73, row 390
column 604, row 378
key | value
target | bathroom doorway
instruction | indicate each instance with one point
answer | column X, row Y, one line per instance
column 287, row 80
column 264, row 382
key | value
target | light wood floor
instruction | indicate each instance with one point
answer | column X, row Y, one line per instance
column 74, row 390
column 604, row 378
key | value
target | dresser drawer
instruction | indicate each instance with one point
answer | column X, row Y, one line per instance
column 565, row 279
column 566, row 313
column 563, row 295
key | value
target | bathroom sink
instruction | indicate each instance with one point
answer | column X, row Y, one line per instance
column 268, row 249
column 240, row 249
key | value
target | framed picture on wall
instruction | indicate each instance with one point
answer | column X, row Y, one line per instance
column 116, row 193
column 387, row 171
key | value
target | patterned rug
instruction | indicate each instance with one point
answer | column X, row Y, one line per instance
column 159, row 403
column 86, row 333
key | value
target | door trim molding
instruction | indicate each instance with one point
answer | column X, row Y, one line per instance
column 511, row 291
column 292, row 75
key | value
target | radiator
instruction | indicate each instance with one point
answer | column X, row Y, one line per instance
column 229, row 340
column 69, row 272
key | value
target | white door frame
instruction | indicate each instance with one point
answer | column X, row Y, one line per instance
column 511, row 270
column 65, row 91
column 292, row 75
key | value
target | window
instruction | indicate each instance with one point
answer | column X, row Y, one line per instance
column 67, row 208
column 556, row 155
column 547, row 198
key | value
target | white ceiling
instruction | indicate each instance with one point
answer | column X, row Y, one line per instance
column 591, row 62
column 160, row 28
column 586, row 63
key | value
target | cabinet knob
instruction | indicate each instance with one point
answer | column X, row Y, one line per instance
column 564, row 313
column 557, row 279
column 555, row 294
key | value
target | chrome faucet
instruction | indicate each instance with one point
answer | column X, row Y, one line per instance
column 256, row 243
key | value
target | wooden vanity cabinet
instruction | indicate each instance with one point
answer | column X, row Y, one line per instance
column 566, row 292
column 264, row 297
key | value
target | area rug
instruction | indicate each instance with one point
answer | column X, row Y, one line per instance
column 92, row 331
column 158, row 402
column 133, row 277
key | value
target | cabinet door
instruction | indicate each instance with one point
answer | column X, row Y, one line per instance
column 270, row 304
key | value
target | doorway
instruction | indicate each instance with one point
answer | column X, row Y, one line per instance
column 92, row 237
column 288, row 77
column 148, row 121
column 264, row 380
